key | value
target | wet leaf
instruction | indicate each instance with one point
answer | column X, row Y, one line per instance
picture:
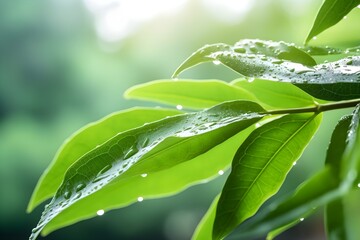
column 85, row 140
column 330, row 13
column 154, row 147
column 260, row 167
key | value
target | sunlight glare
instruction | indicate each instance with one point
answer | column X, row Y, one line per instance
column 117, row 19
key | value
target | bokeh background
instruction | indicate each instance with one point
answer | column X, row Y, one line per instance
column 66, row 63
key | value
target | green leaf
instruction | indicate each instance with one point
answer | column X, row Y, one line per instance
column 260, row 166
column 330, row 13
column 275, row 95
column 338, row 80
column 154, row 147
column 154, row 185
column 329, row 184
column 194, row 94
column 207, row 93
column 248, row 47
column 335, row 220
column 205, row 227
column 86, row 139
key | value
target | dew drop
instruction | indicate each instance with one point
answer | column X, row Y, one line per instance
column 67, row 195
column 140, row 199
column 80, row 187
column 216, row 62
column 145, row 142
column 345, row 17
column 314, row 38
column 179, row 107
column 100, row 212
column 358, row 6
column 132, row 151
column 294, row 163
column 250, row 80
column 358, row 185
column 221, row 172
column 104, row 169
column 302, row 219
column 144, row 175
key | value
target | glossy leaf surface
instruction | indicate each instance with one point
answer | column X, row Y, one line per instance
column 338, row 80
column 194, row 94
column 248, row 47
column 330, row 13
column 154, row 147
column 85, row 140
column 260, row 166
column 206, row 93
column 329, row 184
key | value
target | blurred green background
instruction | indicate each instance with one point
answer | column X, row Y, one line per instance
column 66, row 63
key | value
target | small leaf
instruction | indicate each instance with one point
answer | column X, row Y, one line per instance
column 260, row 166
column 330, row 13
column 194, row 94
column 154, row 147
column 86, row 139
column 205, row 227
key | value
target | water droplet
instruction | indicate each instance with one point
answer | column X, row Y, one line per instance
column 179, row 107
column 294, row 163
column 140, row 199
column 67, row 195
column 358, row 185
column 240, row 50
column 358, row 6
column 100, row 212
column 220, row 172
column 250, row 80
column 175, row 79
column 314, row 38
column 277, row 61
column 80, row 187
column 144, row 175
column 104, row 169
column 132, row 151
column 345, row 17
column 216, row 62
column 302, row 219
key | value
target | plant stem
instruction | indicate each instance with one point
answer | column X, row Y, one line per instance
column 318, row 107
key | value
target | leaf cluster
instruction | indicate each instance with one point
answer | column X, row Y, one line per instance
column 257, row 126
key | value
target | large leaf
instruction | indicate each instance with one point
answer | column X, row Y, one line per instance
column 86, row 139
column 275, row 95
column 330, row 13
column 188, row 93
column 329, row 184
column 248, row 47
column 260, row 167
column 206, row 93
column 154, row 147
column 338, row 80
column 155, row 185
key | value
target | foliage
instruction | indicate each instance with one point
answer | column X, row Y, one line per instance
column 259, row 124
